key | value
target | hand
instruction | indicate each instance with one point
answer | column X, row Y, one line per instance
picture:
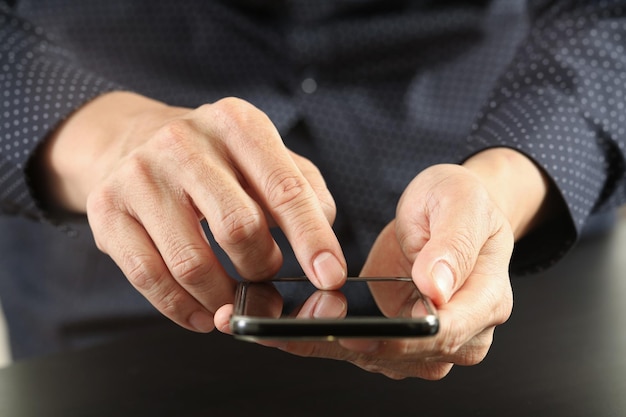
column 453, row 234
column 478, row 297
column 146, row 174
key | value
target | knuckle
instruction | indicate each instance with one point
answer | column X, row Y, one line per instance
column 436, row 371
column 100, row 244
column 498, row 299
column 176, row 142
column 503, row 303
column 99, row 205
column 399, row 349
column 102, row 212
column 411, row 241
column 173, row 135
column 372, row 366
column 238, row 227
column 174, row 132
column 232, row 105
column 236, row 113
column 169, row 303
column 476, row 351
column 448, row 343
column 286, row 191
column 456, row 348
column 134, row 172
column 175, row 139
column 239, row 126
column 464, row 251
column 397, row 376
column 140, row 272
column 147, row 281
column 475, row 355
column 98, row 201
column 188, row 266
column 308, row 350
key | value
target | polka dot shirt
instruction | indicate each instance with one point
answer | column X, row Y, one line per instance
column 382, row 89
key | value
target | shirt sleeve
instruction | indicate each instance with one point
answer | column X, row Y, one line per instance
column 41, row 85
column 561, row 102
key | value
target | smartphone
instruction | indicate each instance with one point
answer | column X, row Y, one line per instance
column 293, row 309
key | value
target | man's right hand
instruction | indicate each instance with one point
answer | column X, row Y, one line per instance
column 146, row 174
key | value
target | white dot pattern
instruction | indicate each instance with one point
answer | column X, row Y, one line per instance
column 40, row 86
column 561, row 101
column 397, row 87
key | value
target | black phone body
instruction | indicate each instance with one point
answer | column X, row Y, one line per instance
column 262, row 312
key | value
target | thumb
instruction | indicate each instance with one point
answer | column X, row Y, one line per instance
column 444, row 234
column 440, row 269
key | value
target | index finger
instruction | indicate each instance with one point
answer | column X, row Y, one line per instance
column 287, row 195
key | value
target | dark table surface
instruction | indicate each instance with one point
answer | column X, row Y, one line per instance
column 562, row 353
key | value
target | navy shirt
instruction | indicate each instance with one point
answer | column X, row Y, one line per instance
column 372, row 91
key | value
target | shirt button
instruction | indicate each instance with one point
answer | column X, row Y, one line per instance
column 308, row 85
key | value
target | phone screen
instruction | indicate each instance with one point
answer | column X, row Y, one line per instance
column 292, row 308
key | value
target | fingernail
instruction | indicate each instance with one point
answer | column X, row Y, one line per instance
column 201, row 322
column 444, row 279
column 328, row 270
column 329, row 306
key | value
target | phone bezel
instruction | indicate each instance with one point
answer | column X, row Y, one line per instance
column 254, row 328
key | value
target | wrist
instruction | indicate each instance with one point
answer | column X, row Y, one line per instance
column 516, row 184
column 81, row 149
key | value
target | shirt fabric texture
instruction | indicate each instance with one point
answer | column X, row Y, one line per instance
column 372, row 91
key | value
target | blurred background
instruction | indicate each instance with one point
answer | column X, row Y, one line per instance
column 5, row 355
